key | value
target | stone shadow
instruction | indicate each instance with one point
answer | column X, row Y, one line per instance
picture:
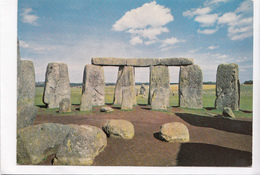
column 225, row 124
column 200, row 154
column 42, row 106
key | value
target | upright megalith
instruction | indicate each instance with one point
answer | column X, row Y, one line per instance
column 190, row 87
column 127, row 96
column 159, row 81
column 57, row 84
column 93, row 88
column 227, row 87
column 125, row 80
column 142, row 90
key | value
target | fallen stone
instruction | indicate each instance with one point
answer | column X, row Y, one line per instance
column 227, row 112
column 227, row 87
column 94, row 83
column 127, row 99
column 176, row 61
column 158, row 99
column 142, row 62
column 106, row 109
column 190, row 87
column 81, row 146
column 120, row 129
column 65, row 105
column 174, row 132
column 108, row 61
column 57, row 84
column 25, row 116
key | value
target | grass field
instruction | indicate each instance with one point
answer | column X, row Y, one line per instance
column 246, row 100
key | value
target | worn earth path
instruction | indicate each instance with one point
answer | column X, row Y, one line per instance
column 213, row 141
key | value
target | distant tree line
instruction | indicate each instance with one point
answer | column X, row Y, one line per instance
column 248, row 82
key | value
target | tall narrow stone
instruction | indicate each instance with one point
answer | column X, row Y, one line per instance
column 125, row 80
column 227, row 87
column 190, row 87
column 127, row 95
column 159, row 81
column 57, row 84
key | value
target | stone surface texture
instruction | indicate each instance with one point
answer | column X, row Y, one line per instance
column 65, row 105
column 142, row 90
column 81, row 146
column 160, row 80
column 108, row 61
column 227, row 112
column 227, row 87
column 174, row 132
column 190, row 87
column 94, row 84
column 125, row 80
column 127, row 99
column 106, row 109
column 176, row 61
column 158, row 100
column 120, row 129
column 142, row 62
column 25, row 115
column 57, row 84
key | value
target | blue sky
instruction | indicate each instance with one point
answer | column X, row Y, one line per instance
column 209, row 31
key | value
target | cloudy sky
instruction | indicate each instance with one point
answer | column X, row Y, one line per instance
column 73, row 31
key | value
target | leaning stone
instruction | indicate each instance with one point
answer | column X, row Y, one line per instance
column 81, row 146
column 57, row 84
column 34, row 143
column 227, row 112
column 25, row 116
column 120, row 129
column 125, row 80
column 174, row 132
column 127, row 99
column 158, row 99
column 94, row 83
column 26, row 83
column 190, row 87
column 143, row 62
column 159, row 78
column 176, row 61
column 65, row 105
column 227, row 87
column 108, row 61
column 106, row 109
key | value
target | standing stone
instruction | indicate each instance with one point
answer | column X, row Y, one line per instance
column 160, row 80
column 190, row 87
column 86, row 100
column 227, row 87
column 142, row 90
column 127, row 96
column 158, row 100
column 65, row 105
column 94, row 84
column 57, row 84
column 125, row 80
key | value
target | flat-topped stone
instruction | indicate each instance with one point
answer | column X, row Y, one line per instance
column 141, row 62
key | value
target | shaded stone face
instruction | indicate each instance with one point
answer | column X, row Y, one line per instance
column 125, row 80
column 94, row 84
column 160, row 80
column 190, row 87
column 227, row 87
column 57, row 84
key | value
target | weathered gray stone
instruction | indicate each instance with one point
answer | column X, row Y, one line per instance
column 38, row 141
column 57, row 84
column 80, row 147
column 174, row 132
column 108, row 61
column 65, row 105
column 176, row 61
column 159, row 79
column 25, row 115
column 127, row 99
column 94, row 83
column 86, row 100
column 190, row 87
column 158, row 99
column 125, row 80
column 227, row 87
column 121, row 129
column 106, row 109
column 227, row 112
column 143, row 62
column 142, row 90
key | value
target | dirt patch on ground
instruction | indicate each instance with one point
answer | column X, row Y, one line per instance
column 213, row 141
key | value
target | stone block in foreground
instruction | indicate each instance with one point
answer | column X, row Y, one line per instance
column 227, row 87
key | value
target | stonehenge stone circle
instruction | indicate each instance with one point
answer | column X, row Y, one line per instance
column 125, row 80
column 57, row 84
column 190, row 87
column 159, row 79
column 94, row 83
column 227, row 87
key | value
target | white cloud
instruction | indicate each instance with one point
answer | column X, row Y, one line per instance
column 198, row 11
column 145, row 23
column 213, row 47
column 207, row 20
column 207, row 31
column 23, row 44
column 28, row 17
column 245, row 7
column 228, row 18
column 212, row 2
column 170, row 41
column 193, row 51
